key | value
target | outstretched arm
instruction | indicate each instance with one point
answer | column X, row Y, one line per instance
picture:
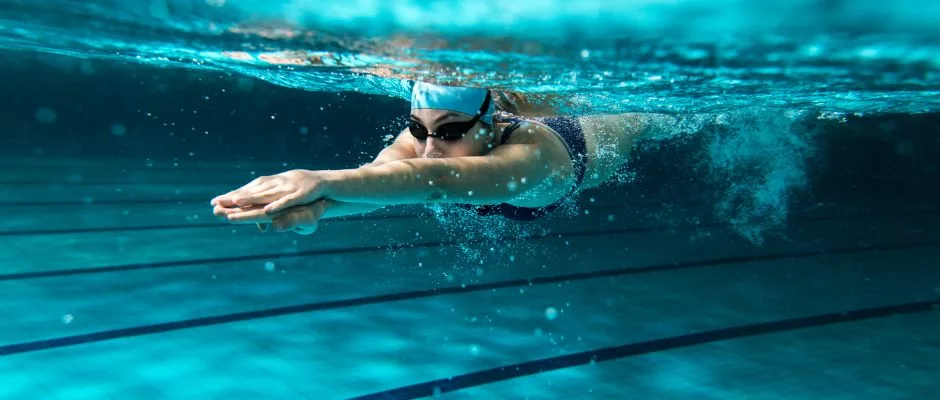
column 401, row 149
column 504, row 174
column 236, row 203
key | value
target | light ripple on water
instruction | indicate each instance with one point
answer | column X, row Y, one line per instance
column 642, row 55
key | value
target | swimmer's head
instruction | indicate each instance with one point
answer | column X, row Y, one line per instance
column 450, row 121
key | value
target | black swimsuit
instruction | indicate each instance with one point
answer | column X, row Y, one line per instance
column 572, row 135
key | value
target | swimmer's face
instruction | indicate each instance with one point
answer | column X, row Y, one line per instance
column 437, row 137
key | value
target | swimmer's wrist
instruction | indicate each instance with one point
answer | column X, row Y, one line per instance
column 328, row 182
column 337, row 182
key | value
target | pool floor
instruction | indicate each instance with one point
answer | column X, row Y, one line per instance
column 119, row 283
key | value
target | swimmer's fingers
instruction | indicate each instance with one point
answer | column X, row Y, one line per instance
column 295, row 221
column 303, row 219
column 224, row 212
column 233, row 198
column 253, row 216
column 261, row 198
column 284, row 203
column 261, row 194
column 224, row 200
column 227, row 199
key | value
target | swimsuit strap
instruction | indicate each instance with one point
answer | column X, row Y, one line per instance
column 569, row 131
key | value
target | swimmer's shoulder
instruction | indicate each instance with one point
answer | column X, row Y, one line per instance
column 522, row 131
column 549, row 145
column 527, row 131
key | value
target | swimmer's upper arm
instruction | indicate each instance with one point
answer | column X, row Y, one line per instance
column 401, row 149
column 544, row 158
column 533, row 168
column 529, row 169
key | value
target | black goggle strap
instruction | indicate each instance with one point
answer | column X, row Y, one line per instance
column 483, row 109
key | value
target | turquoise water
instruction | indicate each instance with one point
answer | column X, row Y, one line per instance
column 778, row 242
column 150, row 298
column 603, row 56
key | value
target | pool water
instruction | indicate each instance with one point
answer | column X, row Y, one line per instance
column 779, row 242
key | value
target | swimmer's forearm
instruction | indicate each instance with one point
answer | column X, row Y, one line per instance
column 396, row 182
column 469, row 180
column 335, row 208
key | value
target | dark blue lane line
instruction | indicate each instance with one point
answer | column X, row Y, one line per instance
column 235, row 184
column 113, row 202
column 369, row 217
column 308, row 253
column 33, row 232
column 203, row 200
column 483, row 377
column 101, row 336
column 399, row 246
column 143, row 168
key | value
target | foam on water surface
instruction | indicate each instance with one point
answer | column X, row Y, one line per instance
column 584, row 57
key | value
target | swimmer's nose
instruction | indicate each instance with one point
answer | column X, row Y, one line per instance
column 433, row 149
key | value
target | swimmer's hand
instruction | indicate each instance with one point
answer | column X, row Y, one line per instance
column 278, row 192
column 302, row 219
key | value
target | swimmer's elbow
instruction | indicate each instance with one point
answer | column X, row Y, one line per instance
column 469, row 184
column 443, row 187
column 435, row 182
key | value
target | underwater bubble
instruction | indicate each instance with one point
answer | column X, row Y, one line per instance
column 512, row 186
column 551, row 313
column 475, row 349
column 269, row 266
column 46, row 115
column 303, row 130
column 67, row 319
